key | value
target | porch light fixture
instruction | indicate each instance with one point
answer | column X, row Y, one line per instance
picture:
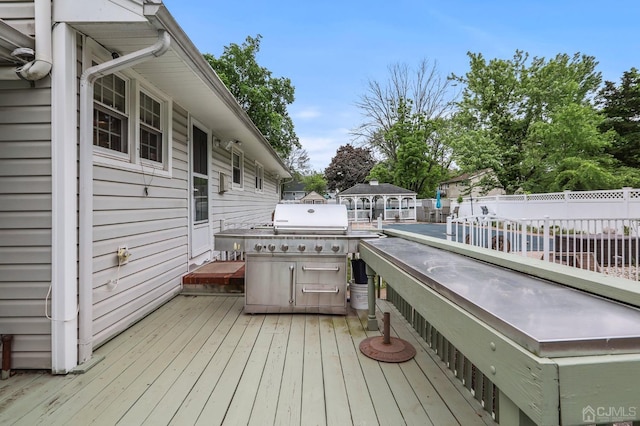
column 230, row 143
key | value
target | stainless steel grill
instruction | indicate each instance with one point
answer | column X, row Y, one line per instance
column 299, row 265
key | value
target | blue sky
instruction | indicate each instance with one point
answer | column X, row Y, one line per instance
column 331, row 49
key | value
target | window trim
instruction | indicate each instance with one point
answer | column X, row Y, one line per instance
column 132, row 161
column 259, row 177
column 161, row 130
column 234, row 184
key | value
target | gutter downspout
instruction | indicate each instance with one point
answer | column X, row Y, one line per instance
column 85, row 287
column 41, row 65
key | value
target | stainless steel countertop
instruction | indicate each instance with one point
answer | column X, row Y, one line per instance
column 546, row 318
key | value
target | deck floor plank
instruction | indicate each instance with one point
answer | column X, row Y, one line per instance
column 361, row 406
column 445, row 387
column 387, row 410
column 335, row 393
column 137, row 372
column 210, row 378
column 144, row 406
column 266, row 401
column 180, row 390
column 62, row 389
column 134, row 387
column 289, row 409
column 200, row 359
column 239, row 411
column 313, row 403
column 252, row 342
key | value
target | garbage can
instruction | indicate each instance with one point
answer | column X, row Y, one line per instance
column 359, row 269
column 358, row 288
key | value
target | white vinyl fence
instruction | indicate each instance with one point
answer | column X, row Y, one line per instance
column 608, row 246
column 616, row 204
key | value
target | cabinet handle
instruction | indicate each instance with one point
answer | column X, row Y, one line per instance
column 320, row 268
column 334, row 291
column 291, row 283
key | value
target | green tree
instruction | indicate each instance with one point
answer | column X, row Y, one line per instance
column 381, row 172
column 423, row 87
column 350, row 165
column 315, row 182
column 418, row 164
column 518, row 117
column 621, row 108
column 262, row 96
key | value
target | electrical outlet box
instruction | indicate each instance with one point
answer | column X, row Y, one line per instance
column 123, row 254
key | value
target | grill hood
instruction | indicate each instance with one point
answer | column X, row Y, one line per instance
column 310, row 219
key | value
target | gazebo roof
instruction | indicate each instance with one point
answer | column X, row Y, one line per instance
column 376, row 189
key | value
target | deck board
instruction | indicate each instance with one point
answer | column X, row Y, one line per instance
column 199, row 359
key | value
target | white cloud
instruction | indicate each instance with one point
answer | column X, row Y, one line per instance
column 307, row 113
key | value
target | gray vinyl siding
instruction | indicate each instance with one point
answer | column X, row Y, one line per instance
column 155, row 229
column 25, row 220
column 241, row 205
column 19, row 14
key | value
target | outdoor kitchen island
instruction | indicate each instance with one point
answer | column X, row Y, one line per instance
column 300, row 264
column 535, row 343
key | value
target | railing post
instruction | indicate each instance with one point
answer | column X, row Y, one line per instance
column 545, row 241
column 372, row 322
column 523, row 236
column 449, row 228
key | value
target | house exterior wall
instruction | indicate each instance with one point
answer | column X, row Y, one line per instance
column 154, row 227
column 25, row 219
column 246, row 205
column 134, row 205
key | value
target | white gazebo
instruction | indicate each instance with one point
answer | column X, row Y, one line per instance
column 367, row 201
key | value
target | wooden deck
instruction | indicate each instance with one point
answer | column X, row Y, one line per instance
column 200, row 360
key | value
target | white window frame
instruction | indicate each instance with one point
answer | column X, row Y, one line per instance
column 259, row 177
column 136, row 84
column 234, row 184
column 150, row 128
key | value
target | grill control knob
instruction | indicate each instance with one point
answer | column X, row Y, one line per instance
column 258, row 247
column 271, row 247
column 318, row 248
column 284, row 247
column 335, row 248
column 302, row 247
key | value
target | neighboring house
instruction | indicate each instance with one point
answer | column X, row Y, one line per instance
column 461, row 185
column 367, row 201
column 120, row 153
column 313, row 198
column 293, row 191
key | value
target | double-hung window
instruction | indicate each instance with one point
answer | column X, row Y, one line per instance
column 110, row 117
column 131, row 123
column 259, row 177
column 150, row 128
column 237, row 168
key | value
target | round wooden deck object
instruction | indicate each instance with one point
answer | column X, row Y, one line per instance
column 386, row 348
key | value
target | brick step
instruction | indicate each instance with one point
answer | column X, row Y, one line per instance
column 215, row 277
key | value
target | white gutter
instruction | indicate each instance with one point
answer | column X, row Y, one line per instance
column 41, row 65
column 89, row 76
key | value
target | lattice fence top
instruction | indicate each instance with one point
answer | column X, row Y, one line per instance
column 546, row 197
column 596, row 195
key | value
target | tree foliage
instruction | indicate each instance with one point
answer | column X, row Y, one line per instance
column 315, row 182
column 348, row 167
column 420, row 162
column 381, row 104
column 621, row 108
column 525, row 118
column 262, row 96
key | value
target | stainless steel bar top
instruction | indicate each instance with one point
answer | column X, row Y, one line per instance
column 547, row 318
